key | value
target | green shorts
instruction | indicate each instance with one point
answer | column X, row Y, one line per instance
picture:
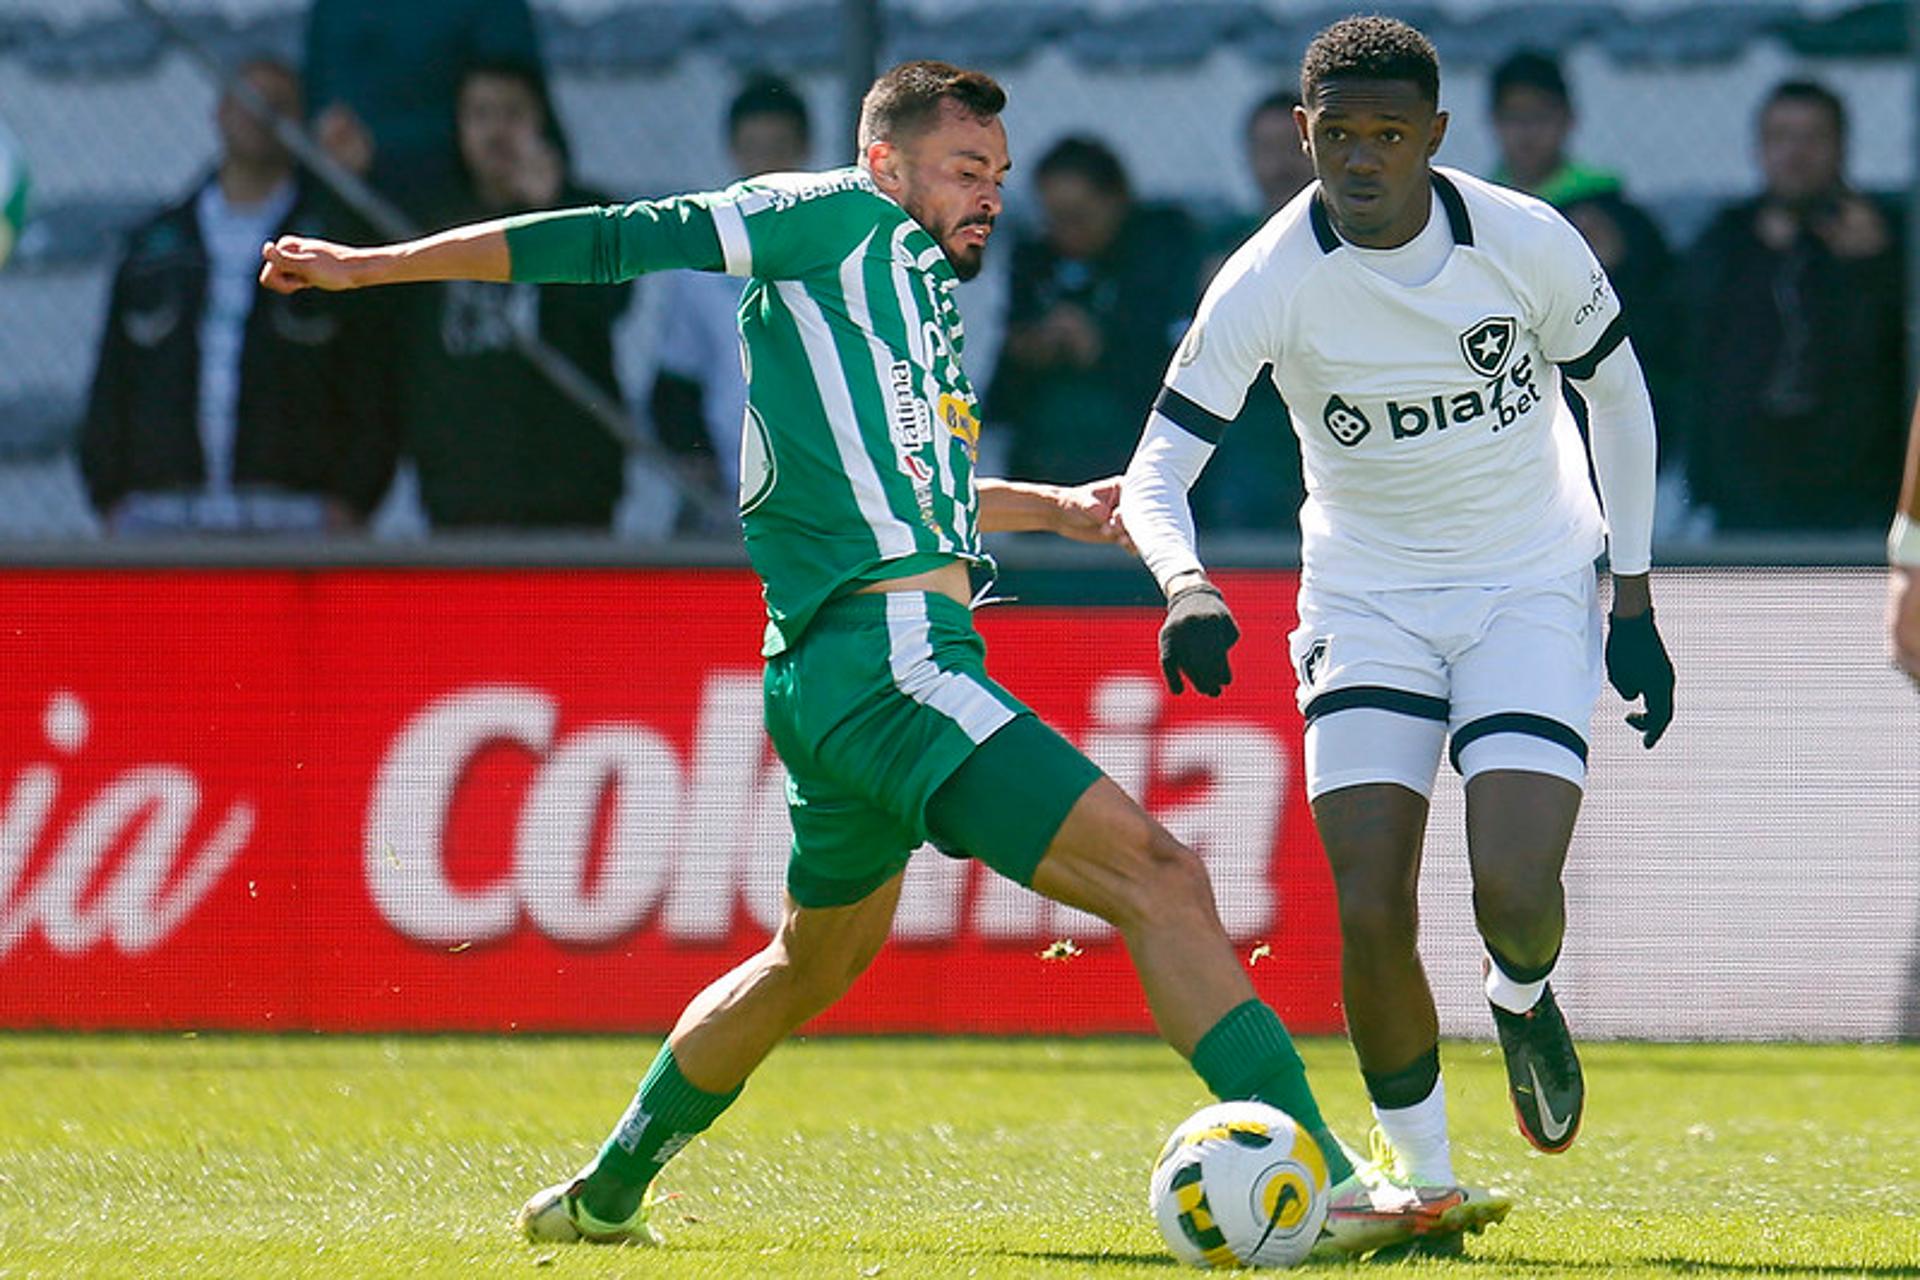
column 894, row 735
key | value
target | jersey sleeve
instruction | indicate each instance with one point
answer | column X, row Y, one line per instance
column 1578, row 319
column 789, row 232
column 610, row 244
column 1234, row 334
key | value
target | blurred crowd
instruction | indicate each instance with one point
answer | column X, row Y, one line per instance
column 1773, row 344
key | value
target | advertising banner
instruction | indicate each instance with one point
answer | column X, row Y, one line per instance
column 542, row 800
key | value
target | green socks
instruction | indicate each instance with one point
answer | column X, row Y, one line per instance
column 1248, row 1054
column 666, row 1113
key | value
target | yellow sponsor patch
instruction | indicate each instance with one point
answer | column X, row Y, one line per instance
column 960, row 419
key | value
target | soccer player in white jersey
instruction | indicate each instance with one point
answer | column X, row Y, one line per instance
column 1419, row 324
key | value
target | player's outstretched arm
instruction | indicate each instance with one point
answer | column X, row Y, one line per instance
column 1903, row 564
column 608, row 244
column 1084, row 513
column 475, row 252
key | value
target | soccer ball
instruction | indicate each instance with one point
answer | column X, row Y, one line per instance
column 1239, row 1184
column 13, row 193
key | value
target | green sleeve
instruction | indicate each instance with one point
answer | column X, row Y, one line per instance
column 608, row 244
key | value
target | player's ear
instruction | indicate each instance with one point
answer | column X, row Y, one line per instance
column 1439, row 133
column 884, row 163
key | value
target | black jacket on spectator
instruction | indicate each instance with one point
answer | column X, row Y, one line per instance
column 1072, row 425
column 1800, row 378
column 495, row 443
column 311, row 416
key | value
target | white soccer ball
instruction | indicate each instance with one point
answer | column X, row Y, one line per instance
column 1239, row 1184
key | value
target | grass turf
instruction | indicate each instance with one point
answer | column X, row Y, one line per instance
column 335, row 1157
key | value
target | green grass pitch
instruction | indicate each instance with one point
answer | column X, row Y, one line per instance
column 343, row 1157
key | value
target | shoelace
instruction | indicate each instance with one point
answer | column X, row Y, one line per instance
column 1548, row 1032
column 1385, row 1157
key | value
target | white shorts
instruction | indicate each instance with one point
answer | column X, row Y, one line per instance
column 1512, row 673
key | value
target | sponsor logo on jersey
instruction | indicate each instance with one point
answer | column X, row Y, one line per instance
column 912, row 420
column 1596, row 298
column 1506, row 398
column 960, row 420
column 1347, row 424
column 1487, row 345
column 784, row 197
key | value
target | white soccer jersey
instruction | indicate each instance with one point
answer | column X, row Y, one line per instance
column 1437, row 447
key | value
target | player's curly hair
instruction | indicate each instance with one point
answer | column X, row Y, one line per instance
column 907, row 99
column 1370, row 47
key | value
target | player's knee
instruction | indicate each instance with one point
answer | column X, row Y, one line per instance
column 1167, row 880
column 814, row 978
column 1521, row 919
column 1377, row 896
column 1378, row 923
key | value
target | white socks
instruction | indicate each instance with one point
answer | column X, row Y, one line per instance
column 1419, row 1133
column 1505, row 993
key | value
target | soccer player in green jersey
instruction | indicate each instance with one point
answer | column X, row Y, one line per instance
column 862, row 513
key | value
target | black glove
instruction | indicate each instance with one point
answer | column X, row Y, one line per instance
column 1637, row 663
column 1195, row 638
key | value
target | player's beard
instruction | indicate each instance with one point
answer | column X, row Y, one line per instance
column 966, row 259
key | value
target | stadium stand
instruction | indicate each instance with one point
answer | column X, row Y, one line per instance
column 1667, row 92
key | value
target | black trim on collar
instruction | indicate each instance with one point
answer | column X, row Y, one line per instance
column 1456, row 207
column 1323, row 225
column 1450, row 199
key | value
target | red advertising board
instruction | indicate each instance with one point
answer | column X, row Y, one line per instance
column 438, row 800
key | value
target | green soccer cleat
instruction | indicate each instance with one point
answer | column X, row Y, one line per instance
column 555, row 1216
column 1543, row 1073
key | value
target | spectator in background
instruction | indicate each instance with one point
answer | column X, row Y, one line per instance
column 495, row 443
column 1255, row 484
column 217, row 405
column 1277, row 162
column 1799, row 336
column 700, row 395
column 1097, row 301
column 1533, row 119
column 16, row 183
column 382, row 75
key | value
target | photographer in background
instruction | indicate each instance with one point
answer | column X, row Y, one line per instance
column 1798, row 336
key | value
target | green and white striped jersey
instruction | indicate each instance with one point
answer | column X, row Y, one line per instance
column 856, row 462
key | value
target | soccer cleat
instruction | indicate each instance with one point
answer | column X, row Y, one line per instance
column 1543, row 1073
column 555, row 1216
column 1374, row 1210
column 1479, row 1209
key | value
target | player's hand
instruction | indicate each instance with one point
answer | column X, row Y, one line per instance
column 293, row 263
column 1903, row 620
column 1091, row 513
column 1195, row 638
column 1637, row 664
